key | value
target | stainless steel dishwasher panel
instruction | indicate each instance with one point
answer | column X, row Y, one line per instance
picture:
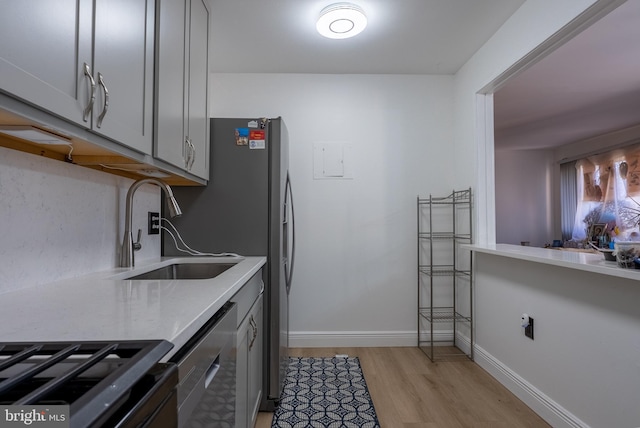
column 207, row 370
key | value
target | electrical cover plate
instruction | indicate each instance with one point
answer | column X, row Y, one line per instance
column 528, row 330
column 154, row 223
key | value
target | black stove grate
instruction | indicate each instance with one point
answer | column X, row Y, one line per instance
column 93, row 378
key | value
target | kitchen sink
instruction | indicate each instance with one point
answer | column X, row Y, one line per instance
column 185, row 271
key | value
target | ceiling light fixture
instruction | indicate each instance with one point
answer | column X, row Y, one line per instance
column 341, row 21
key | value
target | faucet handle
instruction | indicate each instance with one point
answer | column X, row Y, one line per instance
column 137, row 245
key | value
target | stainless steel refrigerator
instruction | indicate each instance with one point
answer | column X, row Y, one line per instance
column 247, row 208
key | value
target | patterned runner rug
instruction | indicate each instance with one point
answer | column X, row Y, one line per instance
column 325, row 393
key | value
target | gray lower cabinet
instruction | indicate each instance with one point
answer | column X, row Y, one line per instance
column 90, row 62
column 255, row 363
column 249, row 352
column 249, row 367
column 182, row 110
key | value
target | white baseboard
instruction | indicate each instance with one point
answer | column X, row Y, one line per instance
column 556, row 415
column 359, row 339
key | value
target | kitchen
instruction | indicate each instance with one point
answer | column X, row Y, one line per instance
column 44, row 240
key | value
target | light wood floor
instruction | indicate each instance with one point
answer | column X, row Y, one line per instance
column 409, row 391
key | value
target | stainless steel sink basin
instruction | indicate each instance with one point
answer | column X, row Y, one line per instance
column 186, row 271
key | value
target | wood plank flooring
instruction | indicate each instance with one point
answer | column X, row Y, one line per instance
column 409, row 391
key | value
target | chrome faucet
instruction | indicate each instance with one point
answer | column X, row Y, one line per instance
column 128, row 247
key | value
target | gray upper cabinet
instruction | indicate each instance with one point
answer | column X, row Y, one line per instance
column 123, row 69
column 43, row 45
column 198, row 115
column 182, row 111
column 87, row 61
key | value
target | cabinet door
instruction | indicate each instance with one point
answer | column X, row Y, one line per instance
column 170, row 83
column 255, row 363
column 43, row 47
column 197, row 90
column 123, row 68
column 243, row 339
column 249, row 366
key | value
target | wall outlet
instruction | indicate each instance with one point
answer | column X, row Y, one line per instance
column 154, row 223
column 528, row 330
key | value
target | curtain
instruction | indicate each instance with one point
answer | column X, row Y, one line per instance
column 608, row 186
column 569, row 196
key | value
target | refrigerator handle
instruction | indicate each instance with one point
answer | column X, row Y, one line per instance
column 289, row 195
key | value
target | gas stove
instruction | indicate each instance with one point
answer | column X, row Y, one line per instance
column 94, row 384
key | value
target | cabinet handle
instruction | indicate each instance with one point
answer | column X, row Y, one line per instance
column 106, row 100
column 254, row 326
column 193, row 154
column 92, row 96
column 187, row 152
column 190, row 155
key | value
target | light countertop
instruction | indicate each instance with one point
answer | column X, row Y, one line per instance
column 100, row 307
column 590, row 262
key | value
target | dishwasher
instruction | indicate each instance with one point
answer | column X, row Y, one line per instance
column 207, row 373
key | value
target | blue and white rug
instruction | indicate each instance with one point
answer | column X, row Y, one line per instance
column 325, row 393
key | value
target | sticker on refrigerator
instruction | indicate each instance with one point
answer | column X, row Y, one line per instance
column 242, row 136
column 257, row 139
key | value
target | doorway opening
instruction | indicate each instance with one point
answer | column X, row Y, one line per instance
column 518, row 164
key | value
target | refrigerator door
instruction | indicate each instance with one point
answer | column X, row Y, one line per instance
column 278, row 308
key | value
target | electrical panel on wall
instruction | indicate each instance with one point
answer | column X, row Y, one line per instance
column 332, row 161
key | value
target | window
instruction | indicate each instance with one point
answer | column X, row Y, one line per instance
column 607, row 192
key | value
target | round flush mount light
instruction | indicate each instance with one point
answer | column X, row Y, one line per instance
column 341, row 21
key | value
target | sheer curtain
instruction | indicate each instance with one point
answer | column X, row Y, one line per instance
column 569, row 196
column 607, row 188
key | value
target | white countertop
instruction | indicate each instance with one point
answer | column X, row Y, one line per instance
column 590, row 262
column 100, row 307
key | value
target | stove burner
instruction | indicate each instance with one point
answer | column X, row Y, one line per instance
column 97, row 380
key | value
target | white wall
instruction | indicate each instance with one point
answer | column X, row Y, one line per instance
column 60, row 220
column 355, row 274
column 524, row 191
column 583, row 361
column 546, row 373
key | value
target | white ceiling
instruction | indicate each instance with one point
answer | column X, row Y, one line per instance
column 589, row 86
column 402, row 36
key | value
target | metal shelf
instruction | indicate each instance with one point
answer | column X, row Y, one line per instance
column 438, row 353
column 445, row 270
column 457, row 196
column 443, row 224
column 442, row 315
column 436, row 235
